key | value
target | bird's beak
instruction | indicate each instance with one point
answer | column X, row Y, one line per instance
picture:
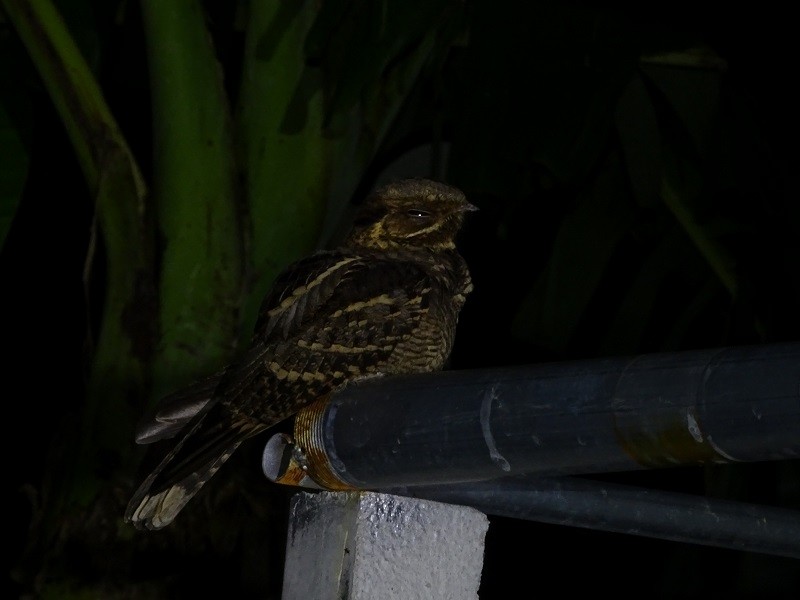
column 469, row 207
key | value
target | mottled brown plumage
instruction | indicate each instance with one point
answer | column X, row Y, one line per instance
column 385, row 302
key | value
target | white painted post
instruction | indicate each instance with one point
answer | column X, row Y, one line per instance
column 365, row 545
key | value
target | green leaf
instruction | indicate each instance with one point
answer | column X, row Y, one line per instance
column 689, row 314
column 298, row 172
column 391, row 31
column 639, row 134
column 581, row 253
column 118, row 377
column 542, row 82
column 683, row 123
column 638, row 304
column 198, row 207
column 284, row 158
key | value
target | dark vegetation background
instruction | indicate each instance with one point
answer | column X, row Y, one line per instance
column 635, row 168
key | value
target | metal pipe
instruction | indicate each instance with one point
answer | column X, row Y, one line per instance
column 627, row 509
column 618, row 414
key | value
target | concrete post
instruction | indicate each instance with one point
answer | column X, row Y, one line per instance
column 365, row 545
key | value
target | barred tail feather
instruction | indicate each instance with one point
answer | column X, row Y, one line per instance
column 148, row 510
column 210, row 439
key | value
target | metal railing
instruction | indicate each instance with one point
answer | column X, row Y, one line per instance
column 505, row 440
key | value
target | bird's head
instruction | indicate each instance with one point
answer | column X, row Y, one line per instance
column 410, row 213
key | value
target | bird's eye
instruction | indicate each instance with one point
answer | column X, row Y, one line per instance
column 418, row 214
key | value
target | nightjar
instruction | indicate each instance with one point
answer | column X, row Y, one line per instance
column 386, row 301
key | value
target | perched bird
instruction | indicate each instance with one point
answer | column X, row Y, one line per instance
column 384, row 302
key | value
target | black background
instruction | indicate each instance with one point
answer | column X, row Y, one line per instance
column 530, row 109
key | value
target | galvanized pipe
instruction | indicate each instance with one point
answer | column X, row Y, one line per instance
column 617, row 414
column 604, row 506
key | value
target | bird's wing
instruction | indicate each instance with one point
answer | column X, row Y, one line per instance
column 174, row 411
column 329, row 285
column 326, row 285
column 333, row 318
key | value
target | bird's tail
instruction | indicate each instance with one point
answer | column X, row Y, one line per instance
column 209, row 440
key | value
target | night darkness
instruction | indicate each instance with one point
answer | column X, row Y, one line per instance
column 547, row 117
